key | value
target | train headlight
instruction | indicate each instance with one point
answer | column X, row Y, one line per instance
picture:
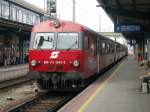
column 56, row 23
column 33, row 63
column 76, row 63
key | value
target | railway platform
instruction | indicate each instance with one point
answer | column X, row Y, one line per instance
column 115, row 91
column 13, row 72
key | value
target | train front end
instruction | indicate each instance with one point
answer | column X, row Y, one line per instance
column 55, row 59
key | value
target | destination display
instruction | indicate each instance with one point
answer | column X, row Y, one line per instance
column 127, row 28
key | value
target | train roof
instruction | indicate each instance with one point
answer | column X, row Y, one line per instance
column 65, row 26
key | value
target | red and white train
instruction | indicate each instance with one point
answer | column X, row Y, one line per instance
column 64, row 54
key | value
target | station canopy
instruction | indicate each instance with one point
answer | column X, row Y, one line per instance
column 130, row 17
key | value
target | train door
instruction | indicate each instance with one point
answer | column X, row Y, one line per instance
column 98, row 55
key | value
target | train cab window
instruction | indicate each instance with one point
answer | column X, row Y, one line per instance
column 67, row 41
column 44, row 41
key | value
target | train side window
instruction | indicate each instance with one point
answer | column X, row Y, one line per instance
column 118, row 48
column 100, row 48
column 103, row 48
column 86, row 43
column 92, row 47
column 108, row 48
column 95, row 47
column 112, row 48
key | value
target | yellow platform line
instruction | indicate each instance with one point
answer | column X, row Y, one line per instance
column 82, row 108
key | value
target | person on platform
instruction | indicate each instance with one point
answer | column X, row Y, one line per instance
column 17, row 57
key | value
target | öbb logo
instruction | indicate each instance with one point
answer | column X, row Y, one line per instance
column 54, row 54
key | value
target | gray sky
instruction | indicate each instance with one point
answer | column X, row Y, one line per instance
column 86, row 13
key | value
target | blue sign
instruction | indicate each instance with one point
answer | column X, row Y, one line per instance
column 127, row 28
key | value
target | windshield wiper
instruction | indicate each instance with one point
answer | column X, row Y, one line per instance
column 72, row 46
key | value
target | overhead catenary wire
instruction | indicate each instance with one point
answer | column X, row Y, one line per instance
column 70, row 3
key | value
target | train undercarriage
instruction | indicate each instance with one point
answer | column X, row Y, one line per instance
column 59, row 81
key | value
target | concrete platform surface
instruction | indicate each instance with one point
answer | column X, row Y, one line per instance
column 13, row 72
column 116, row 92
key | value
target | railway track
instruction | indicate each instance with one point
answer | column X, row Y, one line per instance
column 46, row 102
column 49, row 102
column 13, row 82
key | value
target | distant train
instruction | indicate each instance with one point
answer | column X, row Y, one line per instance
column 64, row 54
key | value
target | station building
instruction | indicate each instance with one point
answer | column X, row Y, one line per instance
column 16, row 20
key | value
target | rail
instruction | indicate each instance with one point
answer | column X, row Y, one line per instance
column 12, row 82
column 45, row 102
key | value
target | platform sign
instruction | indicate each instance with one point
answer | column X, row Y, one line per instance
column 127, row 28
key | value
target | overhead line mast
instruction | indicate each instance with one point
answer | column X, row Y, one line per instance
column 74, row 15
